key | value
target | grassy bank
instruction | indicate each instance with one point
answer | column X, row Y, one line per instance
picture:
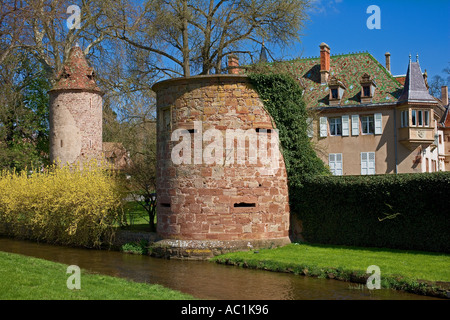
column 27, row 278
column 417, row 272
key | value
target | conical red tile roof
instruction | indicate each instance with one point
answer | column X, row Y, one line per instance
column 76, row 73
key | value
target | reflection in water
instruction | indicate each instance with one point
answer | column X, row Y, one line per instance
column 202, row 279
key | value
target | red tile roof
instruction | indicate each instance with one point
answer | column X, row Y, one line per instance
column 76, row 73
column 349, row 68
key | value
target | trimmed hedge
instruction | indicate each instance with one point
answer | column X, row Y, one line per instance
column 404, row 211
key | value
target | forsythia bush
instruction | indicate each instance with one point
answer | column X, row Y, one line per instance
column 71, row 206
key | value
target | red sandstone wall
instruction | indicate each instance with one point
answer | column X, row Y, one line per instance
column 202, row 196
column 75, row 126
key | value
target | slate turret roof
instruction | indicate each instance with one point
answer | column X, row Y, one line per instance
column 415, row 89
column 263, row 55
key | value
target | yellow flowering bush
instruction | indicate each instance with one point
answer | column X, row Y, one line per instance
column 65, row 205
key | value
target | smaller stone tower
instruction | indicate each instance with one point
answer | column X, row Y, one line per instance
column 75, row 112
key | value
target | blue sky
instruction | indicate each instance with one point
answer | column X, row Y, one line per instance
column 407, row 27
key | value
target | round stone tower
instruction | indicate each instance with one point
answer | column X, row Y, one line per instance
column 221, row 179
column 75, row 113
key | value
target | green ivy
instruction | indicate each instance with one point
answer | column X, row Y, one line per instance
column 282, row 98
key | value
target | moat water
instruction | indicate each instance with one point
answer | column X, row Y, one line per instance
column 203, row 279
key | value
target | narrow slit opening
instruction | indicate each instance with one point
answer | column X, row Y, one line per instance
column 165, row 205
column 244, row 205
column 263, row 130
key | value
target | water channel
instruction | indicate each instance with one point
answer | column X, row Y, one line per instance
column 202, row 279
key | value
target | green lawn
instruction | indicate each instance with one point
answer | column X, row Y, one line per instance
column 26, row 278
column 137, row 217
column 399, row 269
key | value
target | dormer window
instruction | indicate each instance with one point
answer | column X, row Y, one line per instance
column 366, row 91
column 334, row 94
column 65, row 74
column 368, row 86
column 91, row 75
column 337, row 89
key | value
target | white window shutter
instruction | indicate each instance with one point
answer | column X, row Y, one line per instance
column 355, row 125
column 323, row 127
column 378, row 123
column 332, row 162
column 371, row 163
column 338, row 165
column 364, row 163
column 345, row 126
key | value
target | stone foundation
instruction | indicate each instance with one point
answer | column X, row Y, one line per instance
column 192, row 249
column 205, row 249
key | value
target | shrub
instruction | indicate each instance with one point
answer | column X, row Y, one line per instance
column 404, row 211
column 71, row 206
column 140, row 247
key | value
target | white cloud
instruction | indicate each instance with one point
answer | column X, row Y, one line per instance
column 325, row 6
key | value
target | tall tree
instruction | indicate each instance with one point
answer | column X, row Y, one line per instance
column 437, row 82
column 23, row 113
column 194, row 35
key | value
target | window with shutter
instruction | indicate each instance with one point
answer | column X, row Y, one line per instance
column 335, row 163
column 371, row 162
column 355, row 125
column 367, row 125
column 378, row 123
column 323, row 126
column 331, row 161
column 335, row 126
column 367, row 163
column 345, row 125
column 364, row 163
column 338, row 166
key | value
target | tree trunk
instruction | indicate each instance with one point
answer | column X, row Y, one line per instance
column 186, row 65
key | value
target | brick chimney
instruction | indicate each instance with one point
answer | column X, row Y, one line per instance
column 444, row 95
column 388, row 61
column 324, row 62
column 233, row 62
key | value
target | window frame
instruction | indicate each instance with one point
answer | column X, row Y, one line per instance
column 334, row 90
column 426, row 118
column 363, row 122
column 404, row 119
column 337, row 124
column 367, row 87
column 413, row 118
column 420, row 118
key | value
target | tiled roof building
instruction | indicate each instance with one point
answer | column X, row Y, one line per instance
column 368, row 120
